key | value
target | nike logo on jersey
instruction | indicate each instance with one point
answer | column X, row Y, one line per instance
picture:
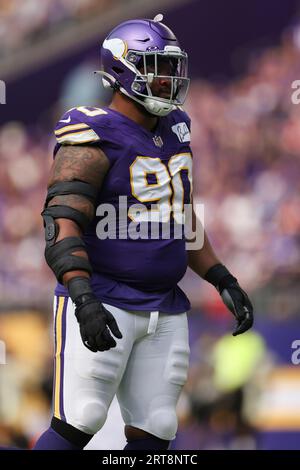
column 66, row 120
column 182, row 132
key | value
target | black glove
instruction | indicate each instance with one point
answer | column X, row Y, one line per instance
column 233, row 296
column 94, row 320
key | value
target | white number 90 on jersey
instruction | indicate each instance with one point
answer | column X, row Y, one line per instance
column 167, row 192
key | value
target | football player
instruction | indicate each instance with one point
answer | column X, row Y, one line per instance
column 120, row 317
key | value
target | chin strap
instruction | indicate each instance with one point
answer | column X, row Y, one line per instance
column 151, row 105
column 157, row 108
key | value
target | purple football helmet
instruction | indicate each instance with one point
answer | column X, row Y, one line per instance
column 132, row 56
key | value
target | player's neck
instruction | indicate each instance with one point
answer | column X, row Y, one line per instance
column 133, row 111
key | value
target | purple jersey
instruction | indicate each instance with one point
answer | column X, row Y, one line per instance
column 146, row 168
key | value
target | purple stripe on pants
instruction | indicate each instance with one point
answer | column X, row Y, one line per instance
column 55, row 349
column 63, row 344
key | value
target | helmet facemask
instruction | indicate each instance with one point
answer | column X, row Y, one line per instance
column 168, row 66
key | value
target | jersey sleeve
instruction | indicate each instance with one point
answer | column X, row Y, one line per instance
column 91, row 126
column 180, row 124
column 75, row 127
column 185, row 117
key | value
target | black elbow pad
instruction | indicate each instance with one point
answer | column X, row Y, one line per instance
column 60, row 257
column 79, row 188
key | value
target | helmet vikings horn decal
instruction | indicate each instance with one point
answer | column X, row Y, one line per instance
column 136, row 53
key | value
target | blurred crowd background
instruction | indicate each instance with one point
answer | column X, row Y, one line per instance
column 242, row 393
column 25, row 22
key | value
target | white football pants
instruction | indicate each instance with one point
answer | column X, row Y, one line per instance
column 147, row 370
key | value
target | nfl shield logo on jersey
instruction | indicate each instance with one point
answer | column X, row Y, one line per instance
column 182, row 132
column 158, row 141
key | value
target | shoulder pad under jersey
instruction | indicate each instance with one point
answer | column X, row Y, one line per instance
column 181, row 115
column 82, row 125
column 180, row 124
